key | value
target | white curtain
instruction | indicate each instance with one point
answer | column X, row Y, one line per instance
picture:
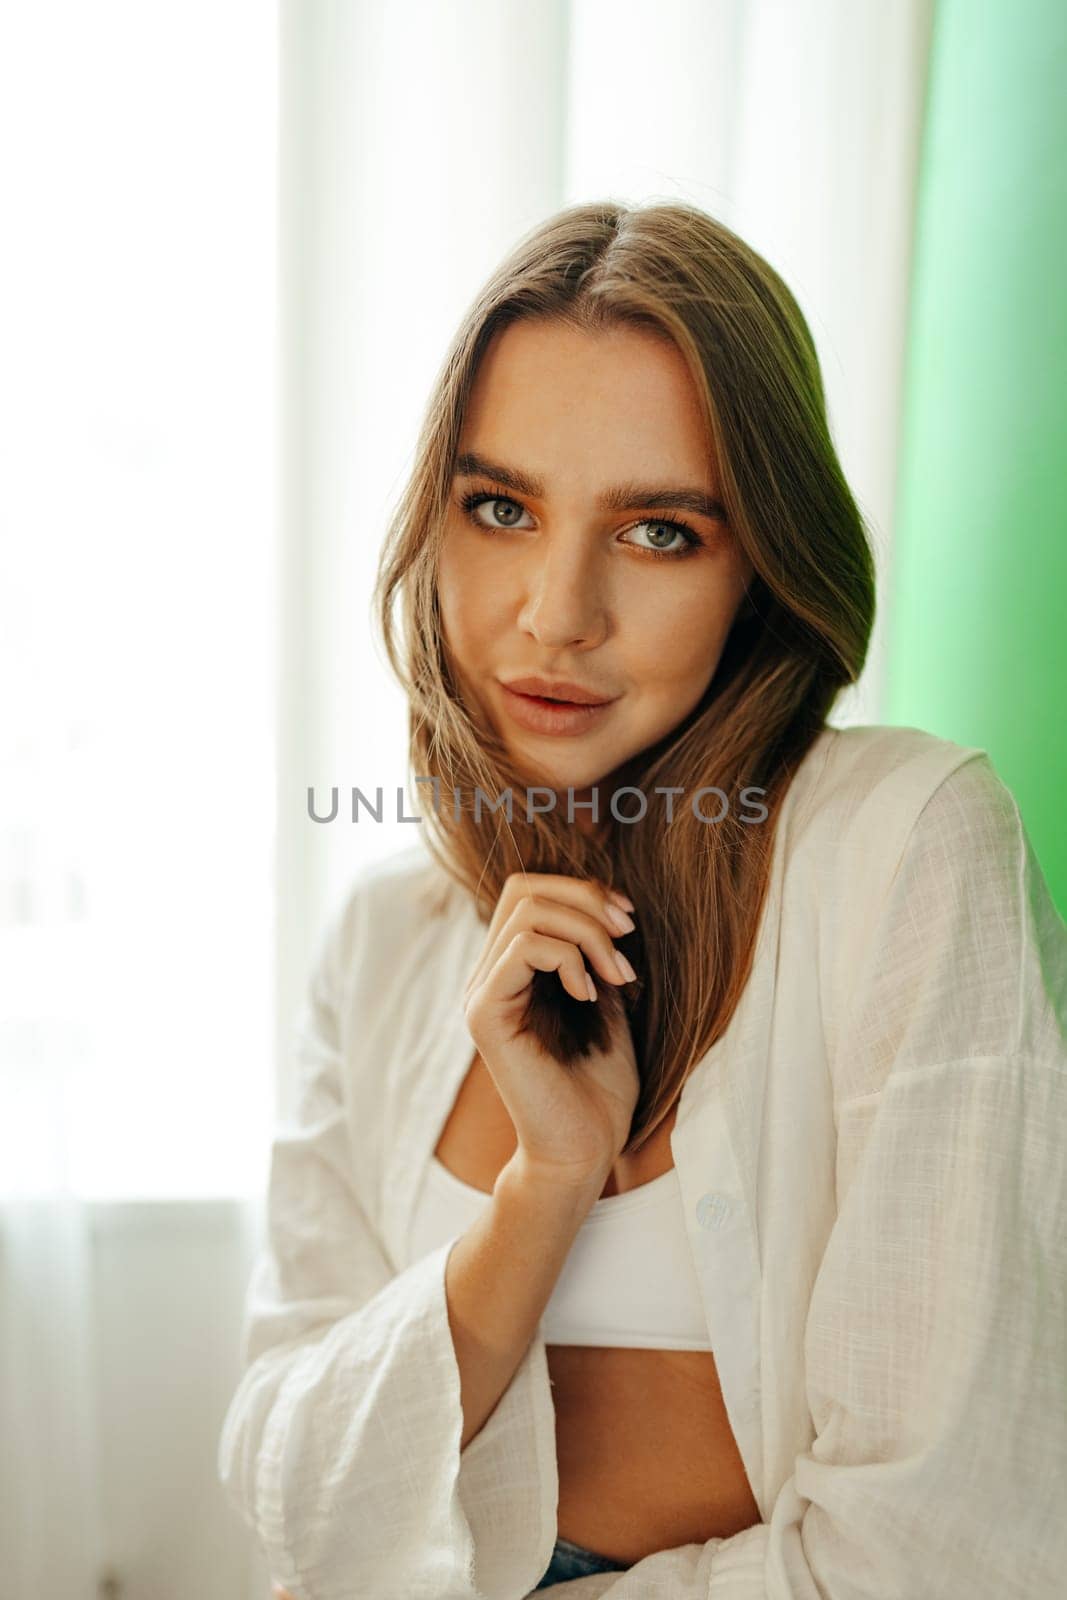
column 416, row 142
column 50, row 1481
column 137, row 584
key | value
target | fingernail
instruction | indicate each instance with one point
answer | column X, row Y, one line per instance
column 619, row 919
column 591, row 986
column 624, row 967
column 623, row 899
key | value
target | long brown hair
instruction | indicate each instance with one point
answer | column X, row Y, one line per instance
column 799, row 637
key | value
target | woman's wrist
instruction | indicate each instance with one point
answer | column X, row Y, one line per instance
column 554, row 1188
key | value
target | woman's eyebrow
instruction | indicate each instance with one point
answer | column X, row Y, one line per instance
column 623, row 497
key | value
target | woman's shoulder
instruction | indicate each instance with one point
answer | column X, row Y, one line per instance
column 866, row 757
column 393, row 914
column 866, row 785
column 876, row 801
column 912, row 878
column 406, row 882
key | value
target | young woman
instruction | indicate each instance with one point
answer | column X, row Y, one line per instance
column 672, row 1196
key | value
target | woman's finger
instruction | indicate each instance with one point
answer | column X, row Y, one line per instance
column 578, row 893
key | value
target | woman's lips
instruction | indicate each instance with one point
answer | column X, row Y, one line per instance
column 551, row 716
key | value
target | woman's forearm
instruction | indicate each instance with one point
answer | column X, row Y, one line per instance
column 498, row 1280
column 500, row 1276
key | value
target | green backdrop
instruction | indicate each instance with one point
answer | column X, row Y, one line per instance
column 977, row 609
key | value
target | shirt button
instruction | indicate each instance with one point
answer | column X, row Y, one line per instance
column 713, row 1210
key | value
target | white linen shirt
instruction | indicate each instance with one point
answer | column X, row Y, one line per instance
column 872, row 1165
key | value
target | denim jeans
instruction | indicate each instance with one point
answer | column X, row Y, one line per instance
column 574, row 1561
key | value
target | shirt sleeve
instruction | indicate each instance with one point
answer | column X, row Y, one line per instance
column 341, row 1446
column 935, row 1340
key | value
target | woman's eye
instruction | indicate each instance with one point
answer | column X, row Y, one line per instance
column 668, row 538
column 473, row 503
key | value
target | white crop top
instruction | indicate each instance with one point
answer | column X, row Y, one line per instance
column 628, row 1280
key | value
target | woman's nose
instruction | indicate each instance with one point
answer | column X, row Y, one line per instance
column 565, row 597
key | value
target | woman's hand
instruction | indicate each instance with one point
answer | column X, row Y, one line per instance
column 571, row 1121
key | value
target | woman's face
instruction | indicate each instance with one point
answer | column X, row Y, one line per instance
column 577, row 442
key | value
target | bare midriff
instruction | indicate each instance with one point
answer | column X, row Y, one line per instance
column 647, row 1458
